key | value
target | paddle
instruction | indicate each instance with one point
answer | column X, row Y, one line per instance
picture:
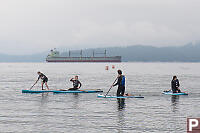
column 33, row 85
column 111, row 87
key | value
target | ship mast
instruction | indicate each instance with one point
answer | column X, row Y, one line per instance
column 81, row 53
column 69, row 53
column 93, row 53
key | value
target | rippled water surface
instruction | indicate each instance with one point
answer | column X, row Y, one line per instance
column 54, row 113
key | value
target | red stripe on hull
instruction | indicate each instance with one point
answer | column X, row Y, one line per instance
column 83, row 60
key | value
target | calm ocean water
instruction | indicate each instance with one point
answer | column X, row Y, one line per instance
column 58, row 113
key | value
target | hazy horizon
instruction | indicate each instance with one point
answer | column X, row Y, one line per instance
column 29, row 27
column 66, row 49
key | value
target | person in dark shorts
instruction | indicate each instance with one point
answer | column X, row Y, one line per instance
column 120, row 83
column 175, row 85
column 76, row 83
column 43, row 78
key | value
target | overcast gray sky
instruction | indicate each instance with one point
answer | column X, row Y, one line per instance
column 29, row 26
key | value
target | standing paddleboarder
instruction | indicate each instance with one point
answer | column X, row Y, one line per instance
column 120, row 83
column 43, row 78
column 175, row 85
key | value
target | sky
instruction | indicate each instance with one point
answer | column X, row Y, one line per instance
column 31, row 26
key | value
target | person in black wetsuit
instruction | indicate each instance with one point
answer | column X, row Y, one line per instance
column 120, row 83
column 175, row 85
column 76, row 83
column 43, row 78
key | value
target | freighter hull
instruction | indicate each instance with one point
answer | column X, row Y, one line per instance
column 55, row 56
column 84, row 59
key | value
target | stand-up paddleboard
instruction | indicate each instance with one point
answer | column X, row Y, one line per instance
column 36, row 91
column 57, row 91
column 171, row 93
column 108, row 96
column 79, row 91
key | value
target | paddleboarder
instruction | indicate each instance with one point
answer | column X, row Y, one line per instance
column 43, row 78
column 76, row 83
column 120, row 83
column 175, row 85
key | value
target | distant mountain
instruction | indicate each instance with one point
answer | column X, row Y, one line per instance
column 186, row 53
column 40, row 57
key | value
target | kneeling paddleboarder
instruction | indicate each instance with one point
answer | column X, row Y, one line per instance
column 120, row 83
column 43, row 78
column 76, row 83
column 175, row 85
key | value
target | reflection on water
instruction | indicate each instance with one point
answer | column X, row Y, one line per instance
column 49, row 112
column 175, row 101
column 44, row 98
column 75, row 95
column 121, row 103
column 121, row 114
column 75, row 100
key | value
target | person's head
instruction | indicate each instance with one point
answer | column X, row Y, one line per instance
column 38, row 72
column 119, row 72
column 76, row 77
column 174, row 77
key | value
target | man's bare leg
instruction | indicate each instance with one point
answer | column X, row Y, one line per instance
column 42, row 85
column 47, row 85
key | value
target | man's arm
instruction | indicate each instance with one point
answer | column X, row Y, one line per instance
column 72, row 79
column 80, row 84
column 178, row 83
column 37, row 80
column 118, row 81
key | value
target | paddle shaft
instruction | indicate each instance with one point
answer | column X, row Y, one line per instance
column 33, row 85
column 111, row 87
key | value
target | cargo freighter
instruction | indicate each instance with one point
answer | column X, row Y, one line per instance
column 55, row 56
